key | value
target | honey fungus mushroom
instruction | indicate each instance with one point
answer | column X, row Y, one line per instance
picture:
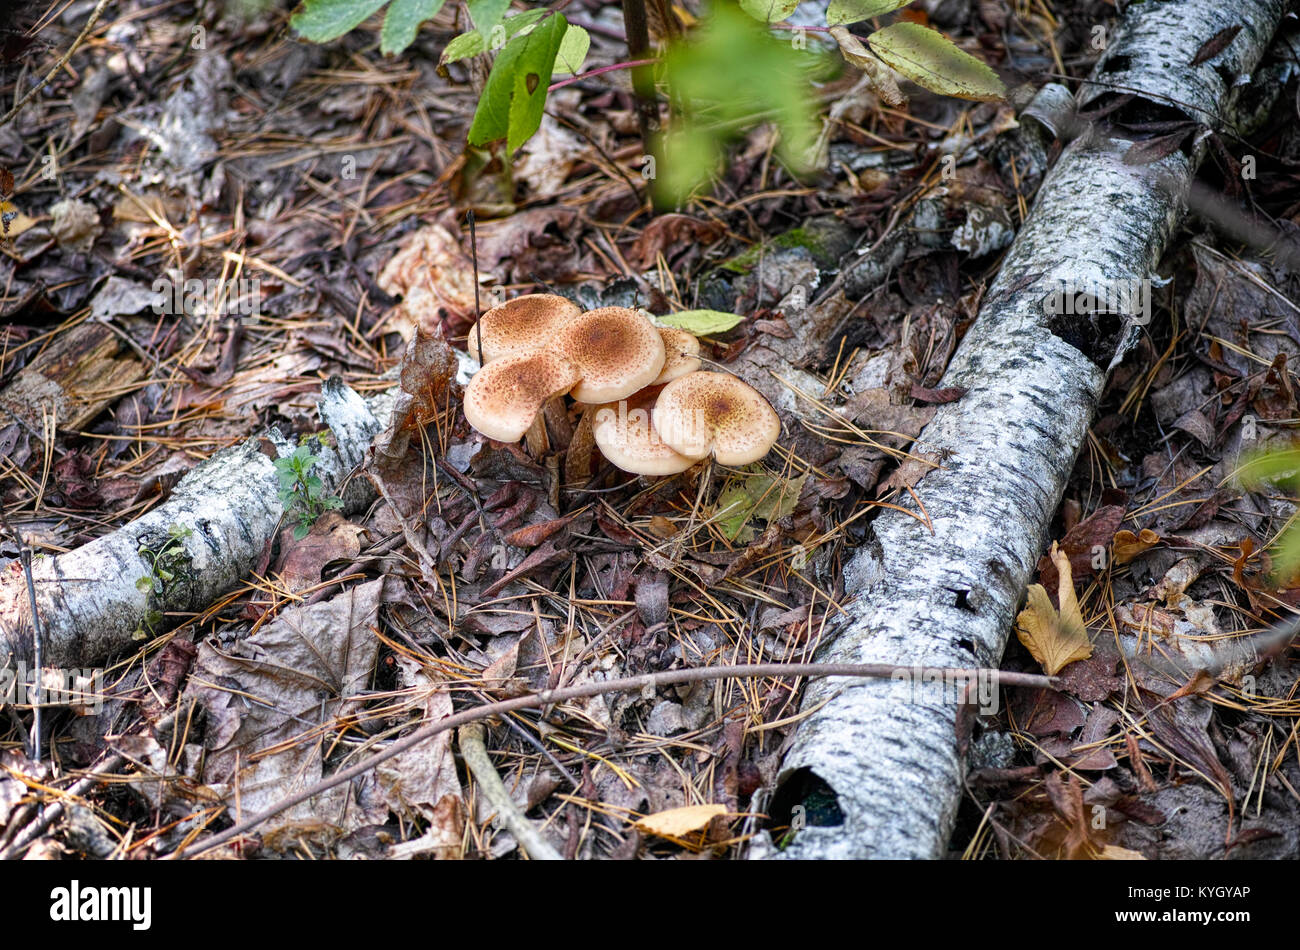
column 627, row 438
column 599, row 356
column 705, row 412
column 504, row 397
column 525, row 324
column 617, row 351
column 681, row 352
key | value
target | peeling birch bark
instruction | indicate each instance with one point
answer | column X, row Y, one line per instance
column 876, row 765
column 88, row 598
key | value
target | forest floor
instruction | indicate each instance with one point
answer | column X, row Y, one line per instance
column 182, row 143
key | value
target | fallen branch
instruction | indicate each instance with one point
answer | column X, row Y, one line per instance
column 629, row 683
column 947, row 596
column 217, row 523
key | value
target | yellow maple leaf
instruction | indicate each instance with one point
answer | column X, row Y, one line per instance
column 1055, row 639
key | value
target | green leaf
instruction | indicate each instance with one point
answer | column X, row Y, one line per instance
column 733, row 73
column 930, row 59
column 463, row 47
column 771, row 11
column 853, row 11
column 702, row 322
column 402, row 22
column 300, row 531
column 486, row 14
column 324, row 20
column 515, row 95
column 517, row 22
column 756, row 496
column 573, row 50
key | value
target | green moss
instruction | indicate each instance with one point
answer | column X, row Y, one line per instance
column 804, row 237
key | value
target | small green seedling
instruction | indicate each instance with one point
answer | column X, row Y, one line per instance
column 301, row 491
column 164, row 564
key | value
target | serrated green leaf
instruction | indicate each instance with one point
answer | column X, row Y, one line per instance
column 515, row 94
column 463, row 47
column 930, row 60
column 573, row 51
column 702, row 322
column 324, row 20
column 486, row 14
column 853, row 11
column 402, row 22
column 770, row 11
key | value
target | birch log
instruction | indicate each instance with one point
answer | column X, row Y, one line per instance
column 876, row 764
column 88, row 599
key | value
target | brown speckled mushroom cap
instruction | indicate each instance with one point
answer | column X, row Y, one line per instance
column 627, row 438
column 505, row 396
column 715, row 412
column 523, row 325
column 617, row 352
column 682, row 354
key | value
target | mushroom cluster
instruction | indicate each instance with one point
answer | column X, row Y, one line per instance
column 653, row 411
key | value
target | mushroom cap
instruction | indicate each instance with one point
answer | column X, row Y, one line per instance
column 682, row 352
column 505, row 396
column 617, row 352
column 716, row 412
column 523, row 325
column 626, row 437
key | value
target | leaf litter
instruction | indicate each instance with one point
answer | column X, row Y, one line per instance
column 335, row 179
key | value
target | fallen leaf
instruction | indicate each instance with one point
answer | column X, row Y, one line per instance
column 1113, row 852
column 332, row 538
column 1215, row 45
column 676, row 822
column 702, row 322
column 1054, row 639
column 1128, row 545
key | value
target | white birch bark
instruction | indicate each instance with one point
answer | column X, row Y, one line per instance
column 88, row 599
column 946, row 594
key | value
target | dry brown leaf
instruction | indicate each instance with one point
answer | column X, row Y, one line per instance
column 1055, row 639
column 1129, row 545
column 676, row 822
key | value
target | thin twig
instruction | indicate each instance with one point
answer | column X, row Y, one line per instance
column 63, row 60
column 648, row 680
column 631, row 64
column 475, row 754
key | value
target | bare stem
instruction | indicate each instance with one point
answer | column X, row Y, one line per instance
column 613, row 67
column 643, row 83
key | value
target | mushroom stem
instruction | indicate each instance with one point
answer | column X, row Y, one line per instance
column 535, row 437
column 577, row 460
column 558, row 426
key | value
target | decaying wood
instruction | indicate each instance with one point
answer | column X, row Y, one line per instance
column 89, row 599
column 940, row 586
column 81, row 374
